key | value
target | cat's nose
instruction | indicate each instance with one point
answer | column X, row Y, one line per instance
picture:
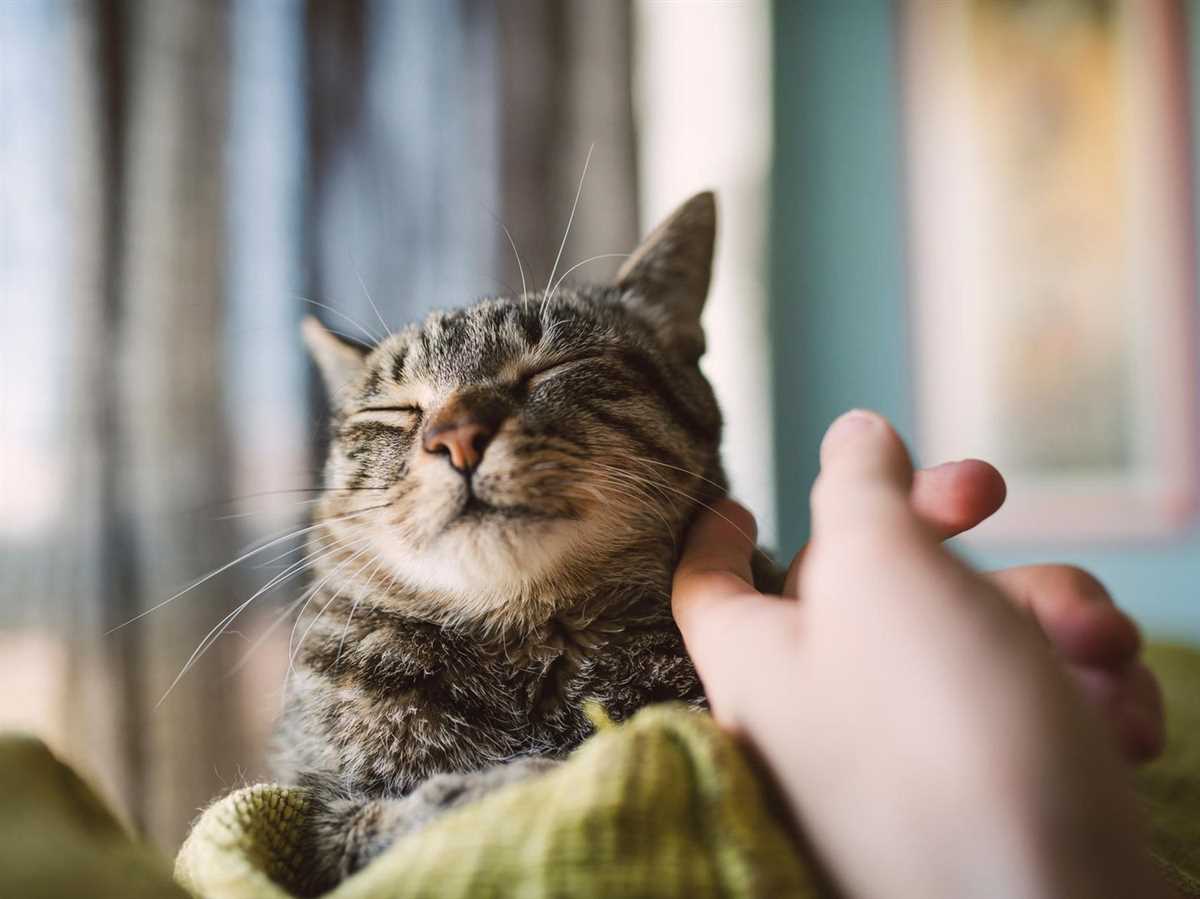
column 463, row 429
column 463, row 441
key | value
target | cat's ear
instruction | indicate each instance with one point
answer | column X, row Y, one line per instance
column 666, row 278
column 340, row 361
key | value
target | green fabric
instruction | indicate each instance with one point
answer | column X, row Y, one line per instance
column 1170, row 788
column 57, row 839
column 664, row 805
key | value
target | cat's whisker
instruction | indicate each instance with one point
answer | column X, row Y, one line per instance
column 290, row 504
column 266, row 635
column 313, row 591
column 387, row 329
column 370, row 334
column 242, row 558
column 294, row 490
column 550, row 332
column 237, row 515
column 233, row 516
column 353, row 608
column 648, row 461
column 570, row 221
column 647, row 501
column 282, row 617
column 215, row 632
column 337, row 662
column 584, row 262
column 283, row 555
column 355, row 338
column 293, row 653
column 640, row 494
column 283, row 534
column 640, row 505
column 695, row 500
column 303, row 602
column 631, row 479
column 303, row 490
column 520, row 265
column 312, row 557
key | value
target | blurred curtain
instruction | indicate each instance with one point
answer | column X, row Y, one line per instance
column 180, row 182
column 433, row 126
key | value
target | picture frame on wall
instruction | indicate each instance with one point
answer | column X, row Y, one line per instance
column 1051, row 246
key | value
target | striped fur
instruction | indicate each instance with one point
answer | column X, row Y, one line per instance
column 452, row 629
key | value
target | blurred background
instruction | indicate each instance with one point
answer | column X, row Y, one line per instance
column 182, row 180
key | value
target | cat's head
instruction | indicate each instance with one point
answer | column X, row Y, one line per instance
column 510, row 450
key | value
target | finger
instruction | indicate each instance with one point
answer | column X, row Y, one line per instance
column 719, row 547
column 956, row 496
column 950, row 498
column 865, row 480
column 1074, row 611
column 1130, row 702
column 723, row 619
column 1144, row 716
column 715, row 565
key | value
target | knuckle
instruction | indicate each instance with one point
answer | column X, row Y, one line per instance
column 824, row 495
column 738, row 516
column 1071, row 579
column 689, row 582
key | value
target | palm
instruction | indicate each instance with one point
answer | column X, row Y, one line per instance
column 1097, row 642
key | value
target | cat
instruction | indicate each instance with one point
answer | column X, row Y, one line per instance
column 506, row 493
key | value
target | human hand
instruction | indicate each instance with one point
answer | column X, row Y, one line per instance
column 921, row 729
column 1099, row 645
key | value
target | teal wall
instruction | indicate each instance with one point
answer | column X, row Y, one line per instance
column 838, row 282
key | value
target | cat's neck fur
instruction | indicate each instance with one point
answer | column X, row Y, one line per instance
column 387, row 696
column 575, row 595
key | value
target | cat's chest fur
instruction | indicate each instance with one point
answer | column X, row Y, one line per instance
column 387, row 701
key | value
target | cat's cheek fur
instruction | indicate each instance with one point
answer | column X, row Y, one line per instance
column 433, row 496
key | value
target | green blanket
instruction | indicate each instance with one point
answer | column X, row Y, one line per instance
column 664, row 805
column 1170, row 788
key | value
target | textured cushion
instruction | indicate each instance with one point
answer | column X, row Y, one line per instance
column 1170, row 788
column 664, row 805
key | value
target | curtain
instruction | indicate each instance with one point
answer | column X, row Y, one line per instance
column 180, row 183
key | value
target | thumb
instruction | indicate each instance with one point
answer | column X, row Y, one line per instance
column 730, row 629
column 865, row 481
column 715, row 565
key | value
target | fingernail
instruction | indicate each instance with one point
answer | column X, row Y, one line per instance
column 954, row 463
column 849, row 427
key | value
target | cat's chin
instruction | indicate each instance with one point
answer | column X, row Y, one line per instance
column 486, row 556
column 477, row 512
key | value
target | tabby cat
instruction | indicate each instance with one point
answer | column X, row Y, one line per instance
column 505, row 496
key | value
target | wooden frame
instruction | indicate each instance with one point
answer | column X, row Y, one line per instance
column 1051, row 247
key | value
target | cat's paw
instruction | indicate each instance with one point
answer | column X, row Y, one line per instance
column 382, row 822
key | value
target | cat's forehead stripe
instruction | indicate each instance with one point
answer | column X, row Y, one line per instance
column 373, row 382
column 532, row 326
column 490, row 339
column 398, row 360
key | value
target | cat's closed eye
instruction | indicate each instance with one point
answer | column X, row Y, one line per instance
column 537, row 376
column 397, row 416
